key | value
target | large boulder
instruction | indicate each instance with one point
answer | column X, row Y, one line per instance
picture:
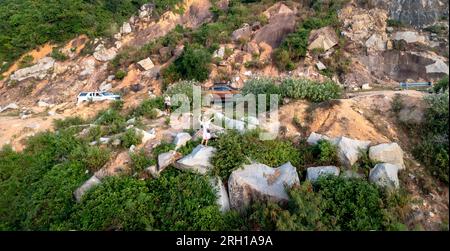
column 385, row 175
column 349, row 149
column 314, row 173
column 146, row 64
column 376, row 43
column 281, row 23
column 315, row 137
column 181, row 139
column 324, row 38
column 104, row 55
column 387, row 153
column 438, row 66
column 167, row 159
column 260, row 182
column 230, row 123
column 38, row 70
column 126, row 28
column 198, row 160
column 146, row 135
column 88, row 67
column 409, row 36
column 222, row 194
column 89, row 184
column 10, row 106
column 242, row 33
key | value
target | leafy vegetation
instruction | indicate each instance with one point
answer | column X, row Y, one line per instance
column 310, row 90
column 130, row 137
column 30, row 23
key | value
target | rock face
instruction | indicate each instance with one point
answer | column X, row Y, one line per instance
column 417, row 13
column 11, row 106
column 146, row 64
column 313, row 173
column 388, row 153
column 260, row 182
column 167, row 159
column 280, row 25
column 409, row 37
column 88, row 67
column 90, row 183
column 181, row 139
column 146, row 135
column 198, row 160
column 324, row 38
column 126, row 28
column 376, row 43
column 222, row 195
column 385, row 175
column 38, row 70
column 104, row 55
column 348, row 149
column 437, row 67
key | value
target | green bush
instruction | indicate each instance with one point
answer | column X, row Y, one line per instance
column 309, row 90
column 130, row 137
column 58, row 55
column 148, row 106
column 394, row 23
column 120, row 74
column 265, row 86
column 67, row 122
column 140, row 160
column 26, row 61
column 112, row 119
column 193, row 64
column 325, row 153
column 119, row 203
column 441, row 85
column 183, row 87
column 230, row 154
column 91, row 157
column 350, row 204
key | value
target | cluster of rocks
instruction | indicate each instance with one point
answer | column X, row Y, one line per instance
column 388, row 156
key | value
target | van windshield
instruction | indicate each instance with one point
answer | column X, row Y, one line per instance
column 107, row 94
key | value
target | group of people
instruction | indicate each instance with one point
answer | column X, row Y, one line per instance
column 204, row 124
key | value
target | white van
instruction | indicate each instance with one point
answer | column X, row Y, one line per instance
column 96, row 96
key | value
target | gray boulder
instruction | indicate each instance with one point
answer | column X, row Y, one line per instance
column 315, row 137
column 260, row 182
column 385, row 175
column 314, row 173
column 387, row 153
column 242, row 33
column 10, row 106
column 38, row 70
column 198, row 160
column 146, row 64
column 181, row 139
column 103, row 54
column 167, row 159
column 349, row 149
column 222, row 194
column 90, row 183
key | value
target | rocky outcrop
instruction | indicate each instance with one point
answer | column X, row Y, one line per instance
column 243, row 33
column 10, row 106
column 39, row 70
column 88, row 185
column 324, row 38
column 409, row 37
column 385, row 175
column 388, row 153
column 281, row 23
column 315, row 137
column 146, row 135
column 417, row 13
column 198, row 160
column 258, row 182
column 103, row 54
column 314, row 173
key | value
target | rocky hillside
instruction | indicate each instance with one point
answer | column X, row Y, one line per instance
column 337, row 66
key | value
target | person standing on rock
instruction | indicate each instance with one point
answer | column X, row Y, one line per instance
column 167, row 104
column 206, row 134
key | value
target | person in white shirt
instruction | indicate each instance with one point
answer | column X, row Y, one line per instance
column 167, row 104
column 206, row 134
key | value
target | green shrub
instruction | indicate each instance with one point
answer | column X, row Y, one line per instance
column 119, row 203
column 325, row 153
column 283, row 60
column 111, row 118
column 26, row 61
column 441, row 85
column 350, row 204
column 67, row 122
column 58, row 55
column 162, row 148
column 193, row 64
column 148, row 106
column 394, row 23
column 230, row 154
column 117, row 105
column 309, row 90
column 183, row 87
column 130, row 137
column 120, row 74
column 265, row 86
column 140, row 160
column 91, row 157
